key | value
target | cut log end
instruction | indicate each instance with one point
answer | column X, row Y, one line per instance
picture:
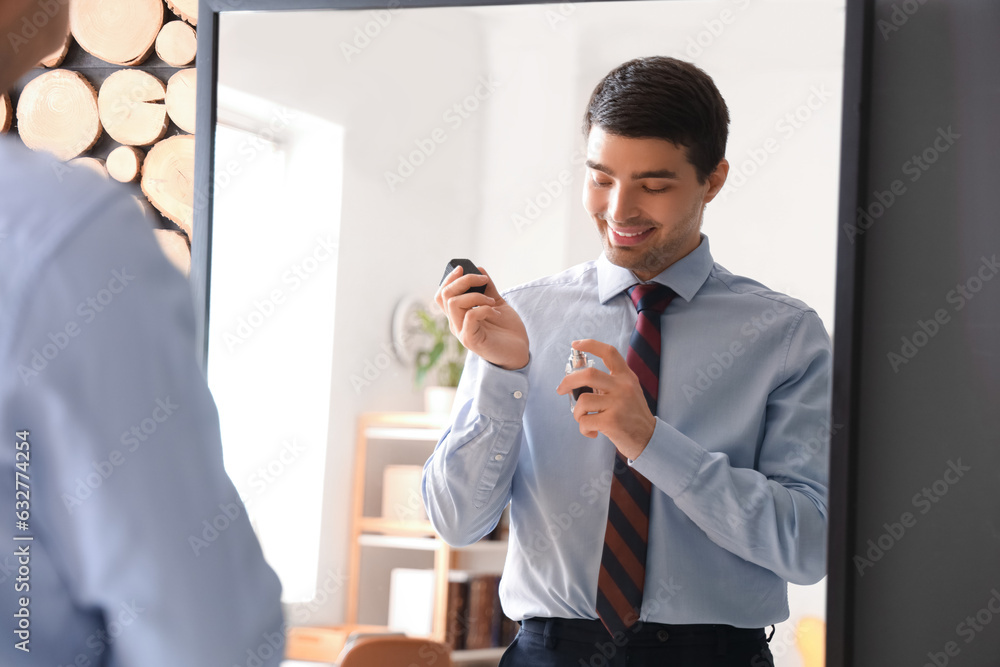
column 57, row 112
column 6, row 113
column 131, row 107
column 121, row 33
column 177, row 44
column 181, row 103
column 168, row 179
column 94, row 164
column 175, row 247
column 186, row 9
column 56, row 58
column 124, row 163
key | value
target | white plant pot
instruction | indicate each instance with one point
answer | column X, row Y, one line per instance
column 439, row 400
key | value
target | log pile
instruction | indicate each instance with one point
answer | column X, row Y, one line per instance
column 168, row 179
column 94, row 164
column 124, row 163
column 175, row 247
column 181, row 99
column 57, row 112
column 121, row 32
column 177, row 44
column 186, row 9
column 6, row 113
column 132, row 108
column 64, row 112
column 55, row 58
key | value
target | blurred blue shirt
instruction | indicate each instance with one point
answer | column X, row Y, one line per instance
column 738, row 459
column 141, row 551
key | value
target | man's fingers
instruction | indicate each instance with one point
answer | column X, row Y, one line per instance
column 587, row 377
column 588, row 423
column 475, row 316
column 441, row 294
column 454, row 299
column 607, row 353
column 461, row 284
column 468, row 301
column 491, row 289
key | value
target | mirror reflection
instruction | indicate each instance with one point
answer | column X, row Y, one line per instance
column 358, row 151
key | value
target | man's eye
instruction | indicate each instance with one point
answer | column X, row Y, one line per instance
column 663, row 189
column 600, row 184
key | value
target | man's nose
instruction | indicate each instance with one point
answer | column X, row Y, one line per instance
column 620, row 206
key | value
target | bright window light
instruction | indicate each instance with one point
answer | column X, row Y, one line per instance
column 274, row 256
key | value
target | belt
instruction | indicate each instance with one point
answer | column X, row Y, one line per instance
column 640, row 634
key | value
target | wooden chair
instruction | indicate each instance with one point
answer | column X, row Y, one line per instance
column 395, row 651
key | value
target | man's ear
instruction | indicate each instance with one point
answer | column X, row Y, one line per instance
column 717, row 179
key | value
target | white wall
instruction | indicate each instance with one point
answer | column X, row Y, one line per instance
column 273, row 398
column 775, row 222
column 387, row 250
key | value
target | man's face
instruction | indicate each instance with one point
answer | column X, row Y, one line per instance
column 31, row 30
column 646, row 200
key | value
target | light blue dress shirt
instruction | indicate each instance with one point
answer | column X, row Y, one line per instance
column 738, row 458
column 141, row 551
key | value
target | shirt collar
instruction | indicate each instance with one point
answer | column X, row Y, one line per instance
column 685, row 276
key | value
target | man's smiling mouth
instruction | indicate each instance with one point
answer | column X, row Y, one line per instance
column 629, row 236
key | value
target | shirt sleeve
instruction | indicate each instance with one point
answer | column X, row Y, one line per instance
column 134, row 507
column 776, row 514
column 466, row 481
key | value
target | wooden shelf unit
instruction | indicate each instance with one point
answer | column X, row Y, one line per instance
column 370, row 531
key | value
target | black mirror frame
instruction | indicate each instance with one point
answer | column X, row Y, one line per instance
column 853, row 179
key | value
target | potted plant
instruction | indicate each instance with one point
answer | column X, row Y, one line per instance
column 442, row 359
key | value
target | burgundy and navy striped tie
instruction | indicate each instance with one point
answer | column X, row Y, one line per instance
column 623, row 562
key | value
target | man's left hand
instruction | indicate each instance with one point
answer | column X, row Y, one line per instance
column 619, row 411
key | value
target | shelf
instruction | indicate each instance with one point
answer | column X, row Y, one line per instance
column 416, row 426
column 391, row 433
column 396, row 533
column 375, row 524
column 400, row 542
column 425, row 543
column 405, row 420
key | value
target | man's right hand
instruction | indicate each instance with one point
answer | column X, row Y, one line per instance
column 483, row 323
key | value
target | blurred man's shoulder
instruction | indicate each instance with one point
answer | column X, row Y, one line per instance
column 43, row 202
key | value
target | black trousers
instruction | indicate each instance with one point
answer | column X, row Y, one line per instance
column 558, row 642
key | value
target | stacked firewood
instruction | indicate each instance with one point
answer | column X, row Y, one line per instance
column 144, row 121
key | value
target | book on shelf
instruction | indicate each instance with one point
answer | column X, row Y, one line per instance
column 475, row 619
column 458, row 603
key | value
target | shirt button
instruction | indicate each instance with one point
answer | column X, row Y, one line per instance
column 518, row 394
column 498, row 457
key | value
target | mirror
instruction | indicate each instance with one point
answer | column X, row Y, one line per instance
column 357, row 150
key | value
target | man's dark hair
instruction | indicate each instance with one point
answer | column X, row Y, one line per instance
column 667, row 99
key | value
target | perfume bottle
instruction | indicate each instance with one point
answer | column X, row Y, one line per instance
column 577, row 361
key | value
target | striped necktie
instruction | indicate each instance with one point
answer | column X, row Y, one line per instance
column 623, row 561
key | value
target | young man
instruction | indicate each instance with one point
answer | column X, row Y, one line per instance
column 123, row 542
column 659, row 521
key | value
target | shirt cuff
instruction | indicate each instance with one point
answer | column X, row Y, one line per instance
column 502, row 394
column 671, row 460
